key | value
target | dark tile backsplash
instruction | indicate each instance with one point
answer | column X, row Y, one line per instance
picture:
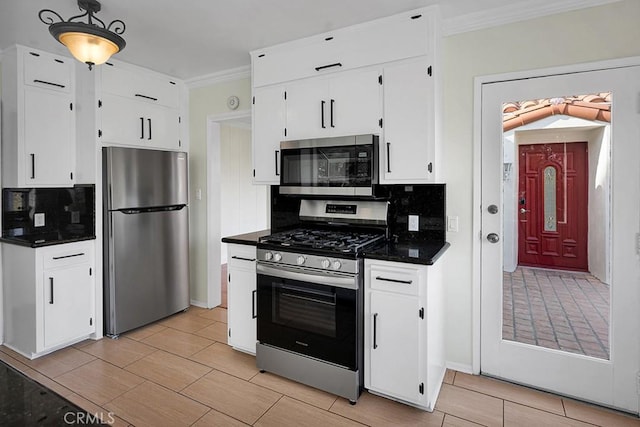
column 68, row 212
column 428, row 201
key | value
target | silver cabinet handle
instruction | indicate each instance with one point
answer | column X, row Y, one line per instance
column 493, row 237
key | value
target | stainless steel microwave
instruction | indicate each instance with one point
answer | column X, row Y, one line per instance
column 340, row 166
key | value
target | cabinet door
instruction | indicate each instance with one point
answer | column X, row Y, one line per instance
column 49, row 138
column 308, row 109
column 394, row 351
column 129, row 122
column 268, row 130
column 68, row 302
column 354, row 106
column 407, row 154
column 241, row 294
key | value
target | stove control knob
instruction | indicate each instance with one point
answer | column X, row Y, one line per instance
column 336, row 265
column 300, row 260
column 268, row 256
column 277, row 257
column 325, row 263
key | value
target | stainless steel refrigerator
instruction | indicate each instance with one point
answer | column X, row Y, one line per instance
column 146, row 232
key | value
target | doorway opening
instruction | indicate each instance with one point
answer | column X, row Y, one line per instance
column 556, row 278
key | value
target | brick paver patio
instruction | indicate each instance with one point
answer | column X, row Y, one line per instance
column 562, row 310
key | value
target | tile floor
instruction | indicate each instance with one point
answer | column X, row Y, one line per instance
column 555, row 309
column 180, row 372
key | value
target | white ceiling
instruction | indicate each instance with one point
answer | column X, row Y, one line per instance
column 194, row 38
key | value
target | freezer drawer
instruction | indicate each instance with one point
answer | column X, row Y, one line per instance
column 147, row 274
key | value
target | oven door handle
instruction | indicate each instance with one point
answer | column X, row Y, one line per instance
column 304, row 275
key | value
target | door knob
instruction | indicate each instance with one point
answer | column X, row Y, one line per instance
column 493, row 237
column 523, row 210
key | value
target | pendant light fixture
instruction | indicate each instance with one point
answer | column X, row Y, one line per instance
column 93, row 42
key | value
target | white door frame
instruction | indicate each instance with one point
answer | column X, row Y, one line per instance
column 213, row 202
column 477, row 162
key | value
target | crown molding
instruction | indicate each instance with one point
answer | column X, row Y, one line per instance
column 513, row 13
column 231, row 74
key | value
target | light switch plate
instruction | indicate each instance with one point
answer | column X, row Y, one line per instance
column 452, row 224
column 414, row 222
column 38, row 220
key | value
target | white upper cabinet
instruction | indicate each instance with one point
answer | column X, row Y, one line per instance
column 139, row 108
column 269, row 124
column 409, row 138
column 39, row 117
column 372, row 78
column 346, row 103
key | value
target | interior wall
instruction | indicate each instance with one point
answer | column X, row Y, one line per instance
column 244, row 205
column 203, row 102
column 586, row 35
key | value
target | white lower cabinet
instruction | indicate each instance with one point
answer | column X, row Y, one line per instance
column 404, row 348
column 241, row 297
column 49, row 296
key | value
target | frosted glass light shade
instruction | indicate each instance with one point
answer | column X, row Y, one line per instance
column 88, row 48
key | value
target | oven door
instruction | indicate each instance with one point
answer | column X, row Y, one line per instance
column 314, row 315
column 331, row 166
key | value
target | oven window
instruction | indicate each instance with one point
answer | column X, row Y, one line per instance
column 328, row 166
column 306, row 309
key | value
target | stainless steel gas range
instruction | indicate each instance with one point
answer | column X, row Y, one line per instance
column 310, row 294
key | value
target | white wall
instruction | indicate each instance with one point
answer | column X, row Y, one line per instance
column 586, row 35
column 244, row 206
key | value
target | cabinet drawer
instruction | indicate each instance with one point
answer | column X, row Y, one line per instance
column 242, row 256
column 144, row 87
column 47, row 71
column 78, row 254
column 394, row 279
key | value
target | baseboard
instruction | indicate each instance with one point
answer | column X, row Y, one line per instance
column 460, row 367
column 198, row 303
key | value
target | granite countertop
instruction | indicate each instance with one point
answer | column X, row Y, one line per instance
column 413, row 252
column 247, row 238
column 45, row 239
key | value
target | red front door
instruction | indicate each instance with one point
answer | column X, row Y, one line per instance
column 552, row 206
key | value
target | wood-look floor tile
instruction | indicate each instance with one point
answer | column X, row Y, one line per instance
column 516, row 415
column 224, row 358
column 177, row 342
column 215, row 418
column 96, row 412
column 145, row 331
column 298, row 391
column 61, row 361
column 186, row 322
column 218, row 314
column 374, row 410
column 451, row 421
column 99, row 381
column 449, row 376
column 168, row 370
column 290, row 412
column 152, row 405
column 120, row 352
column 597, row 415
column 217, row 331
column 232, row 396
column 515, row 393
column 470, row 405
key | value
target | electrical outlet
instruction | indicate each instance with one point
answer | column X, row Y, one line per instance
column 38, row 220
column 75, row 217
column 414, row 222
